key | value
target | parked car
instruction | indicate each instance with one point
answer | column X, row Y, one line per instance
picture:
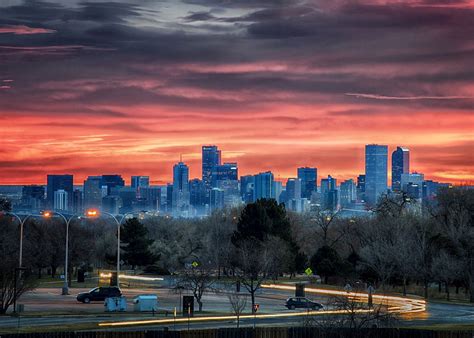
column 99, row 294
column 302, row 303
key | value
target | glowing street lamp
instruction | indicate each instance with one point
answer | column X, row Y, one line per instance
column 95, row 213
column 50, row 214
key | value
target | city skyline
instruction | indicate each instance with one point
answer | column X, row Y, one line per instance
column 131, row 85
column 195, row 165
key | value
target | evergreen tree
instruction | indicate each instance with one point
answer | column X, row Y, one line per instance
column 136, row 244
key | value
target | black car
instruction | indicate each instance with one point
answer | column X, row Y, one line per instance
column 99, row 294
column 303, row 303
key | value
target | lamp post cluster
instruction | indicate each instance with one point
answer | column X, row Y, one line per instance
column 67, row 220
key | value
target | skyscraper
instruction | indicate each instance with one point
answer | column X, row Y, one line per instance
column 59, row 182
column 376, row 158
column 400, row 165
column 180, row 187
column 138, row 182
column 211, row 157
column 197, row 195
column 293, row 189
column 264, row 186
column 329, row 194
column 32, row 197
column 309, row 178
column 348, row 194
column 112, row 181
column 224, row 172
column 247, row 184
column 93, row 192
column 361, row 188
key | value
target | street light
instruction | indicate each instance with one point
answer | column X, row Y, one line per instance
column 22, row 223
column 49, row 214
column 96, row 213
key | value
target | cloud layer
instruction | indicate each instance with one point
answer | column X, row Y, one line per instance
column 97, row 87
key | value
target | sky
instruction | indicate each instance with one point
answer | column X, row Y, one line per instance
column 127, row 87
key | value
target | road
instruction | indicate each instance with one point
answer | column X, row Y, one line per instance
column 46, row 307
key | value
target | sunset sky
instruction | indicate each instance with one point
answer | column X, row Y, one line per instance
column 126, row 87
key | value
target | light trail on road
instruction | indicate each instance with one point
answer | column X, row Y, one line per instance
column 400, row 305
column 395, row 304
column 223, row 318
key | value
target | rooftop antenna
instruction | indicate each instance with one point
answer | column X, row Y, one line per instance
column 180, row 157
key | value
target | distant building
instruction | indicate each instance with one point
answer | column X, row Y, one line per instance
column 128, row 196
column 231, row 192
column 400, row 165
column 376, row 157
column 197, row 195
column 277, row 190
column 216, row 199
column 58, row 182
column 224, row 172
column 293, row 188
column 247, row 184
column 412, row 184
column 77, row 202
column 329, row 194
column 264, row 186
column 93, row 192
column 112, row 181
column 360, row 188
column 431, row 188
column 112, row 204
column 169, row 198
column 61, row 200
column 309, row 179
column 348, row 193
column 32, row 197
column 180, row 188
column 138, row 182
column 211, row 157
column 150, row 198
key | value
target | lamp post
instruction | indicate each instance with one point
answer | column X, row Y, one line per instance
column 22, row 223
column 95, row 213
column 48, row 214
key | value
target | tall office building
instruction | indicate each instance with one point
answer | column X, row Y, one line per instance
column 61, row 200
column 197, row 195
column 360, row 188
column 211, row 157
column 180, row 187
column 224, row 172
column 247, row 184
column 293, row 189
column 348, row 195
column 329, row 194
column 59, row 182
column 32, row 197
column 112, row 181
column 264, row 186
column 150, row 197
column 376, row 158
column 138, row 182
column 412, row 184
column 400, row 165
column 309, row 179
column 77, row 202
column 93, row 192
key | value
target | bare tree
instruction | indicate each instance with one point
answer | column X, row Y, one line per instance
column 252, row 266
column 238, row 303
column 447, row 268
column 198, row 280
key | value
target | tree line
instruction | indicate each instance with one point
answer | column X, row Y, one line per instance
column 398, row 245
